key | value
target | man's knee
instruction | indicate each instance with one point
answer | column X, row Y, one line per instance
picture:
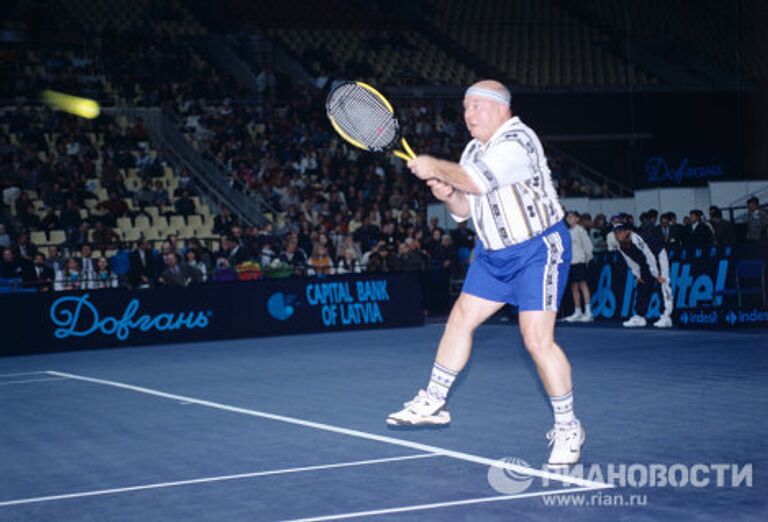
column 461, row 317
column 538, row 345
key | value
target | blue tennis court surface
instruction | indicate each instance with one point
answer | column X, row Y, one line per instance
column 292, row 428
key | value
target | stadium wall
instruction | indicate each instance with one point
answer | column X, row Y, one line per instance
column 68, row 321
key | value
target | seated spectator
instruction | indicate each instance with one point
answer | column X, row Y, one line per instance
column 378, row 259
column 463, row 236
column 70, row 217
column 103, row 276
column 349, row 263
column 104, row 238
column 115, row 208
column 224, row 273
column 40, row 275
column 266, row 255
column 12, row 267
column 70, row 277
column 320, row 262
column 233, row 251
column 160, row 195
column 194, row 262
column 50, row 221
column 202, row 254
column 294, row 256
column 176, row 273
column 24, row 248
column 145, row 196
column 409, row 257
column 223, row 223
column 185, row 205
column 443, row 256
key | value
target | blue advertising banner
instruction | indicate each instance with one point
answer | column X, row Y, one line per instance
column 703, row 286
column 108, row 318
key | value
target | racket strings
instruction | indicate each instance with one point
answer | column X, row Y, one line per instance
column 363, row 116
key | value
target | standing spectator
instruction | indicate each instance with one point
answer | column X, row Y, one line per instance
column 5, row 238
column 698, row 232
column 581, row 255
column 597, row 234
column 87, row 265
column 55, row 260
column 672, row 233
column 725, row 234
column 142, row 274
column 757, row 220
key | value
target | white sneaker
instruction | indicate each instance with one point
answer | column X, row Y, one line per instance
column 422, row 410
column 664, row 322
column 586, row 317
column 575, row 316
column 635, row 322
column 566, row 442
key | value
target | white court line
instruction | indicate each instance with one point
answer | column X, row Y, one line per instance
column 206, row 480
column 21, row 374
column 25, row 381
column 352, row 433
column 437, row 505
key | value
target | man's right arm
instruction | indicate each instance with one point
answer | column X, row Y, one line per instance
column 456, row 200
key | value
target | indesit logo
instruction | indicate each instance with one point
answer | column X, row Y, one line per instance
column 76, row 316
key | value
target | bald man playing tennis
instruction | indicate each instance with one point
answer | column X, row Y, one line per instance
column 522, row 257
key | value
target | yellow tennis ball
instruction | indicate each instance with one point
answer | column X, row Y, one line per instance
column 82, row 107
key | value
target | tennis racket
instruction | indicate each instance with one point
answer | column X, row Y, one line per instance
column 364, row 117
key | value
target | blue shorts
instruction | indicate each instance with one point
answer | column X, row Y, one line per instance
column 531, row 275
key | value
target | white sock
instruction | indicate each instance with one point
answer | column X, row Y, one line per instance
column 563, row 408
column 440, row 382
column 588, row 310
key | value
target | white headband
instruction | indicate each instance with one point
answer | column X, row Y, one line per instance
column 482, row 92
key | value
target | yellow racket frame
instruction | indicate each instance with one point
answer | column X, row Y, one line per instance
column 406, row 154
